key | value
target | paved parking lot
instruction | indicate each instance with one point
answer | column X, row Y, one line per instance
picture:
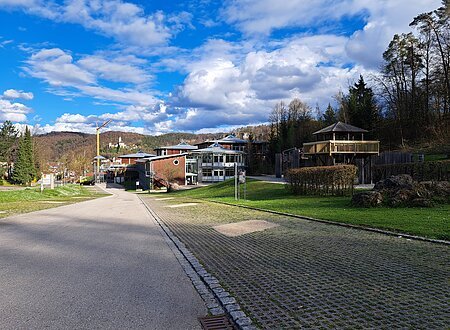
column 309, row 274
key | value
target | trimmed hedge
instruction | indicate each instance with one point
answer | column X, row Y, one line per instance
column 322, row 180
column 426, row 171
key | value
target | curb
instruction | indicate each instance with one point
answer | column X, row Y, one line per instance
column 330, row 222
column 217, row 300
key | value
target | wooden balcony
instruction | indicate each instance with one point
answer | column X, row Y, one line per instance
column 332, row 147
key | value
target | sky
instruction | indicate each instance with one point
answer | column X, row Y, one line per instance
column 155, row 67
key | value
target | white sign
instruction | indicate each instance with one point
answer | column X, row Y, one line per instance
column 48, row 180
column 242, row 177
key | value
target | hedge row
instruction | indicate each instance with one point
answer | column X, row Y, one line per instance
column 426, row 171
column 322, row 180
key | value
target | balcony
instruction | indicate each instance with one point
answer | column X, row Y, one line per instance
column 331, row 147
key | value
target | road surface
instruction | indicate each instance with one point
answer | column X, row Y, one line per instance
column 96, row 264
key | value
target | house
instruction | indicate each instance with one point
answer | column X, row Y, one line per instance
column 157, row 171
column 217, row 163
column 180, row 148
column 124, row 169
column 342, row 143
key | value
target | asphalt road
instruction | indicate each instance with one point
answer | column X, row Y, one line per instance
column 99, row 264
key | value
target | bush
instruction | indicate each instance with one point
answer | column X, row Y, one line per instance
column 322, row 180
column 426, row 171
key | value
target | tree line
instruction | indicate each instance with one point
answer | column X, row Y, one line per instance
column 408, row 102
column 17, row 149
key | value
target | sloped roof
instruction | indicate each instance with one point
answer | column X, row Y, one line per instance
column 153, row 158
column 139, row 154
column 179, row 146
column 342, row 128
column 216, row 148
column 231, row 139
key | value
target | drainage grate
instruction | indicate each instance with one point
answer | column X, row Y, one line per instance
column 219, row 322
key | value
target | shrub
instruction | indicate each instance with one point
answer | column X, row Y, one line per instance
column 322, row 180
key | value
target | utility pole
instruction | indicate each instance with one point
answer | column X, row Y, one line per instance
column 98, row 144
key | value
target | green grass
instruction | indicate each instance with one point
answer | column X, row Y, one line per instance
column 428, row 222
column 31, row 199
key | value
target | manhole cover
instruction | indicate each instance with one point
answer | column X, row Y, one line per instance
column 219, row 322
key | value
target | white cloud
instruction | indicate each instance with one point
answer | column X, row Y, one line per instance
column 220, row 91
column 386, row 18
column 59, row 69
column 114, row 70
column 11, row 94
column 16, row 112
column 124, row 21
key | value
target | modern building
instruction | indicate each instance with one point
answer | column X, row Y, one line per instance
column 180, row 148
column 158, row 171
column 217, row 163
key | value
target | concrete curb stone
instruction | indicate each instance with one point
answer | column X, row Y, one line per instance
column 217, row 300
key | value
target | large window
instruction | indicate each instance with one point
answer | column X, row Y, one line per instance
column 218, row 172
column 218, row 158
column 229, row 172
column 207, row 172
column 230, row 159
column 207, row 158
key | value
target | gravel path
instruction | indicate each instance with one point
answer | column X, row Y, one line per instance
column 305, row 274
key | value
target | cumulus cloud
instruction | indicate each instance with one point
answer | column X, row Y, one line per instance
column 124, row 21
column 11, row 94
column 16, row 112
column 382, row 19
column 220, row 91
column 59, row 69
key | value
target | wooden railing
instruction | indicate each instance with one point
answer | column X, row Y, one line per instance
column 341, row 147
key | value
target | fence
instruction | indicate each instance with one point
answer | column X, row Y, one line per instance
column 426, row 171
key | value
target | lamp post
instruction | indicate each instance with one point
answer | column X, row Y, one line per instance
column 97, row 172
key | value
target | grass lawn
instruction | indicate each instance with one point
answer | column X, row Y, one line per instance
column 428, row 222
column 31, row 199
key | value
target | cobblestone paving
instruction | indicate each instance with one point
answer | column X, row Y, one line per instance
column 305, row 274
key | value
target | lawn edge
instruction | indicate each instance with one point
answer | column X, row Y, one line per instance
column 342, row 224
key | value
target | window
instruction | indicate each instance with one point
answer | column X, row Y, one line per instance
column 206, row 172
column 218, row 172
column 218, row 158
column 176, row 162
column 229, row 172
column 207, row 158
column 230, row 159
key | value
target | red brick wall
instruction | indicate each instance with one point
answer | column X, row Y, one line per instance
column 163, row 167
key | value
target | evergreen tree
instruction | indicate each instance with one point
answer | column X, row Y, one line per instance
column 329, row 117
column 8, row 137
column 24, row 167
column 362, row 107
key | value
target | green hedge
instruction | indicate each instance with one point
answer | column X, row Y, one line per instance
column 322, row 180
column 426, row 171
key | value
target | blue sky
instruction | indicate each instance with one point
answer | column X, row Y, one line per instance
column 201, row 66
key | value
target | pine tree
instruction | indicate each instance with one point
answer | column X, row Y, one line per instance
column 24, row 167
column 329, row 117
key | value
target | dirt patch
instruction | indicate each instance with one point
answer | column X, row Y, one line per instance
column 244, row 227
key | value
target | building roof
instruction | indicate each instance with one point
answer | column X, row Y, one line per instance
column 231, row 139
column 146, row 159
column 139, row 154
column 179, row 146
column 216, row 148
column 99, row 157
column 341, row 128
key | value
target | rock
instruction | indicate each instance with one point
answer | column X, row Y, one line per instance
column 437, row 188
column 367, row 199
column 421, row 202
column 395, row 182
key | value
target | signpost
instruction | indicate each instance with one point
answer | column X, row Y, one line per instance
column 239, row 178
